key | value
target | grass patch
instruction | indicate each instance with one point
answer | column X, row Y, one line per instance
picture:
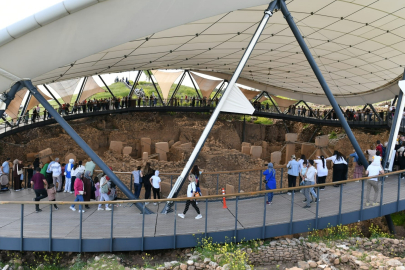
column 398, row 218
column 333, row 135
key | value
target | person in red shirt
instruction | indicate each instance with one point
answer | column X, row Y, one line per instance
column 379, row 148
column 39, row 183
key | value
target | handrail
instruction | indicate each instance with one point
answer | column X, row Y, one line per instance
column 252, row 193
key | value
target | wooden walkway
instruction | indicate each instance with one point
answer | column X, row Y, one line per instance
column 127, row 221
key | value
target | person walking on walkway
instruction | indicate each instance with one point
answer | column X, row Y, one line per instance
column 293, row 171
column 358, row 167
column 322, row 170
column 146, row 175
column 155, row 183
column 339, row 167
column 38, row 182
column 104, row 188
column 56, row 170
column 309, row 180
column 87, row 182
column 79, row 192
column 17, row 173
column 137, row 182
column 191, row 190
column 374, row 169
column 270, row 180
column 51, row 190
column 68, row 174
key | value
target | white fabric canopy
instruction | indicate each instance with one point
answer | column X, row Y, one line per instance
column 65, row 89
column 206, row 85
column 34, row 102
column 165, row 80
column 249, row 94
column 236, row 102
column 91, row 88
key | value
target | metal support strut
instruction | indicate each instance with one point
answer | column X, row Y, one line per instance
column 79, row 95
column 82, row 144
column 49, row 91
column 192, row 80
column 154, row 85
column 106, row 86
column 180, row 180
column 322, row 81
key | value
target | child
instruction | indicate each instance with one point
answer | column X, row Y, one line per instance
column 155, row 182
column 97, row 185
column 51, row 194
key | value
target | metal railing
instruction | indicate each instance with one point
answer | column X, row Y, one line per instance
column 240, row 220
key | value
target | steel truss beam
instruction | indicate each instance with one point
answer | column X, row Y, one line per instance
column 154, row 85
column 106, row 86
column 192, row 80
column 24, row 108
column 79, row 95
column 219, row 89
column 177, row 87
column 49, row 91
column 138, row 76
column 300, row 39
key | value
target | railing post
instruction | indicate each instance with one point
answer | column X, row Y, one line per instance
column 112, row 228
column 292, row 211
column 281, row 178
column 206, row 217
column 239, row 184
column 340, row 204
column 175, row 221
column 50, row 228
column 382, row 193
column 217, row 182
column 22, row 228
column 143, row 226
column 399, row 191
column 80, row 229
column 264, row 217
column 131, row 183
column 317, row 208
column 236, row 219
column 261, row 176
column 362, row 200
column 171, row 182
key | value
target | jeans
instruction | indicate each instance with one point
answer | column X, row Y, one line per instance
column 307, row 192
column 269, row 195
column 103, row 197
column 67, row 184
column 79, row 198
column 57, row 179
column 137, row 190
column 40, row 194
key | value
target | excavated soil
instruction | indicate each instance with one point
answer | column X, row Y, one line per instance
column 220, row 153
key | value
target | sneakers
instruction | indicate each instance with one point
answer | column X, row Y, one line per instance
column 322, row 189
column 100, row 209
column 368, row 204
column 108, row 209
column 65, row 191
column 306, row 206
column 87, row 207
column 38, row 210
column 304, row 201
column 56, row 208
column 376, row 204
column 198, row 217
column 181, row 215
column 82, row 211
column 146, row 203
column 72, row 208
column 288, row 193
column 71, row 192
column 268, row 202
column 154, row 203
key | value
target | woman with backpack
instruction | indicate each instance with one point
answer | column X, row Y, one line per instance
column 270, row 180
column 191, row 191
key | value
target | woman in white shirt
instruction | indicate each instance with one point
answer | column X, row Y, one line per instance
column 339, row 167
column 191, row 189
column 322, row 171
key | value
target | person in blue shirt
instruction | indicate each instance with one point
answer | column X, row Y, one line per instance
column 6, row 166
column 270, row 180
column 293, row 171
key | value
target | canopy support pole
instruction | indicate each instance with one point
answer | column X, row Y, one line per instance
column 49, row 91
column 24, row 108
column 192, row 80
column 261, row 94
column 79, row 95
column 154, row 85
column 82, row 144
column 219, row 89
column 138, row 76
column 177, row 86
column 374, row 111
column 106, row 86
column 180, row 180
column 274, row 103
column 322, row 81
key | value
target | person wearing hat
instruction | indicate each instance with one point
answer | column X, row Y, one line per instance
column 270, row 180
column 155, row 182
column 293, row 171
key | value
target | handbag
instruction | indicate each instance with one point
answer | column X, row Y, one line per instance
column 19, row 172
column 22, row 177
column 81, row 192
